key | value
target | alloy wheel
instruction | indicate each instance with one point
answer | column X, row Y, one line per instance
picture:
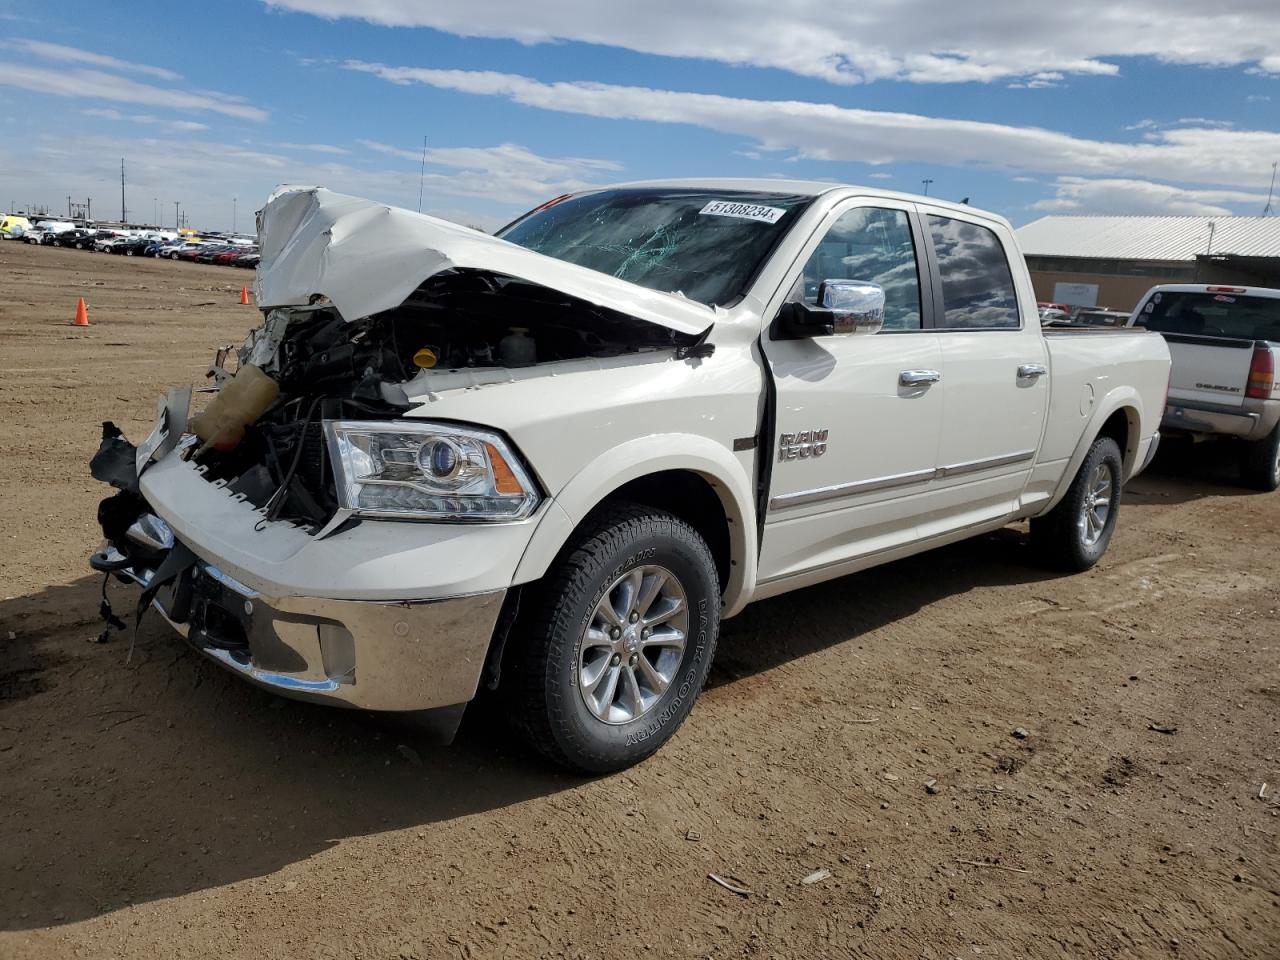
column 633, row 645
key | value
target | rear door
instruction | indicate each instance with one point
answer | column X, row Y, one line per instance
column 997, row 372
column 858, row 416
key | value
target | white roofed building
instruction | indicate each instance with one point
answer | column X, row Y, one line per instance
column 1113, row 261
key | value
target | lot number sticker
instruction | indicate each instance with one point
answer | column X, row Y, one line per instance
column 743, row 211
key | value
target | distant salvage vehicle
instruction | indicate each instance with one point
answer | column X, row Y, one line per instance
column 1224, row 341
column 550, row 462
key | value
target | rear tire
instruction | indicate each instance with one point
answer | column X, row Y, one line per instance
column 1260, row 463
column 1074, row 535
column 619, row 595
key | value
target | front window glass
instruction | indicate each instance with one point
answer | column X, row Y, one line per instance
column 706, row 245
column 875, row 246
column 977, row 284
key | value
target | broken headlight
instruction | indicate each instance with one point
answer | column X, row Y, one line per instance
column 427, row 471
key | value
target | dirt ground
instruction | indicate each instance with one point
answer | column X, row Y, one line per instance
column 164, row 809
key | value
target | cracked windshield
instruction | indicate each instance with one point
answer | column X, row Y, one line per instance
column 705, row 246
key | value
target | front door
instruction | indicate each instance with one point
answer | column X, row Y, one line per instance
column 858, row 416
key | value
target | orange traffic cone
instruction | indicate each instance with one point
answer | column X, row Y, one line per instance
column 244, row 295
column 82, row 315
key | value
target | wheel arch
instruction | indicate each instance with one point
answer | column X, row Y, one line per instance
column 1119, row 416
column 693, row 477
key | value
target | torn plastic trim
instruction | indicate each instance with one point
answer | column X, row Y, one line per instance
column 368, row 257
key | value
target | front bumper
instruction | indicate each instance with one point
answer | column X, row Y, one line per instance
column 408, row 655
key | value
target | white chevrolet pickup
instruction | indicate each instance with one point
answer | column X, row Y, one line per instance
column 1224, row 342
column 552, row 461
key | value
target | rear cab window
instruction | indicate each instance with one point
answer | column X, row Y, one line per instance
column 977, row 282
column 1211, row 314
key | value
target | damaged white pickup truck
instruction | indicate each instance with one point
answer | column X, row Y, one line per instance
column 553, row 461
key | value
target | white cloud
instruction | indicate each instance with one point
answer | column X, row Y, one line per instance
column 485, row 186
column 1257, row 98
column 879, row 176
column 314, row 148
column 825, row 131
column 188, row 125
column 1204, row 122
column 1147, row 124
column 508, row 172
column 1080, row 195
column 107, row 113
column 931, row 41
column 62, row 54
column 90, row 84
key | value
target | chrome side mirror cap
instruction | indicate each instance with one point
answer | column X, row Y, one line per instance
column 844, row 307
column 856, row 306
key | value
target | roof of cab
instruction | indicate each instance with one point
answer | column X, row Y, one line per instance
column 808, row 188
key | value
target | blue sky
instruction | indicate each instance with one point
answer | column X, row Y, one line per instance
column 1027, row 108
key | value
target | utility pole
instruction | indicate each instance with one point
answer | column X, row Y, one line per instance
column 1267, row 211
column 1212, row 227
column 422, row 174
column 124, row 214
column 89, row 205
column 68, row 206
column 926, row 186
column 233, row 214
column 175, row 214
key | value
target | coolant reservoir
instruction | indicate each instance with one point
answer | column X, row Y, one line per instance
column 240, row 402
column 517, row 349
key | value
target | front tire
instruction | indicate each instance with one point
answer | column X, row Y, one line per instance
column 1260, row 464
column 1074, row 535
column 618, row 642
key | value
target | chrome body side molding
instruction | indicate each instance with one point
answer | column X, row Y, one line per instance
column 840, row 490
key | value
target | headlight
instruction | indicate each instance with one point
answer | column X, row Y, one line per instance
column 427, row 471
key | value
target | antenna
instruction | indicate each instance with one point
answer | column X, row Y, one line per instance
column 1267, row 211
column 422, row 174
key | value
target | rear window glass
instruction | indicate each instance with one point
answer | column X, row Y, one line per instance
column 1212, row 315
column 977, row 284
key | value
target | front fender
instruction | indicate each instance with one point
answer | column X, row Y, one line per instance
column 1124, row 398
column 640, row 457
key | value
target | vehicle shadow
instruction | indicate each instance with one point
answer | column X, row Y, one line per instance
column 775, row 631
column 128, row 783
column 1183, row 472
column 125, row 784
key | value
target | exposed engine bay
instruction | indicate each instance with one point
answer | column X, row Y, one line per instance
column 263, row 436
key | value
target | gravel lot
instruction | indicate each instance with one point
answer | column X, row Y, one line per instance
column 165, row 810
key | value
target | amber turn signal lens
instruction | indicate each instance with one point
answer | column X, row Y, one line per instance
column 425, row 358
column 504, row 481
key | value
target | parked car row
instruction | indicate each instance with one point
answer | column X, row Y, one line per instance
column 170, row 246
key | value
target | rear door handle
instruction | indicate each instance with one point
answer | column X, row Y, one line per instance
column 1028, row 371
column 918, row 378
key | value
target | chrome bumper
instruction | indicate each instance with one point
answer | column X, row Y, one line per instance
column 1252, row 420
column 372, row 655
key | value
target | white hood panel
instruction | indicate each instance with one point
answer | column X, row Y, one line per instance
column 367, row 257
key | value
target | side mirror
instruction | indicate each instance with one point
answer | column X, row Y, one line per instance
column 844, row 307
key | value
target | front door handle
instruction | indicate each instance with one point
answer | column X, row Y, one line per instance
column 918, row 378
column 1028, row 371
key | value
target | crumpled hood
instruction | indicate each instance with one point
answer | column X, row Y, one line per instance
column 367, row 257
